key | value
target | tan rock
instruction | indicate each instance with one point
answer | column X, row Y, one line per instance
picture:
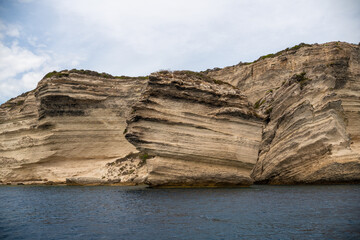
column 190, row 129
column 312, row 97
column 199, row 132
column 71, row 125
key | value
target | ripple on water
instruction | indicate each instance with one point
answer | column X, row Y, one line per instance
column 258, row 212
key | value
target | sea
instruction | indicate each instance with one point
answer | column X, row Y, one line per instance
column 116, row 212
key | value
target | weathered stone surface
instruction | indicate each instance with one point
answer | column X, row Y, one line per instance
column 291, row 117
column 199, row 132
column 129, row 169
column 71, row 125
column 85, row 181
column 312, row 97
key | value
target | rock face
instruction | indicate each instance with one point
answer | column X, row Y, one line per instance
column 290, row 117
column 71, row 125
column 196, row 131
column 311, row 95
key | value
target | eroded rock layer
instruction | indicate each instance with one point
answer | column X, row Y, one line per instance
column 196, row 131
column 290, row 117
column 311, row 95
column 71, row 125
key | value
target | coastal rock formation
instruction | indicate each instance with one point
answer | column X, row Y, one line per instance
column 71, row 125
column 195, row 130
column 286, row 118
column 311, row 94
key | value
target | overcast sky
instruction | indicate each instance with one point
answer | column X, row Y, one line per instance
column 137, row 37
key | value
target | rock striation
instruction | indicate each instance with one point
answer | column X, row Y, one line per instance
column 311, row 96
column 198, row 131
column 70, row 126
column 292, row 117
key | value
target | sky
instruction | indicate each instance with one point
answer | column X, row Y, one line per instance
column 137, row 37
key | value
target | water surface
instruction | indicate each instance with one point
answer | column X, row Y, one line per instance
column 257, row 212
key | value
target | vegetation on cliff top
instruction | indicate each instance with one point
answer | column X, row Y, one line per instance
column 66, row 73
column 294, row 48
column 271, row 55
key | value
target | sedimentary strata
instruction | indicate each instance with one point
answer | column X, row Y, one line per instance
column 71, row 125
column 290, row 117
column 311, row 95
column 196, row 131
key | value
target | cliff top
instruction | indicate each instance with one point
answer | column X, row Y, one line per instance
column 66, row 73
column 284, row 52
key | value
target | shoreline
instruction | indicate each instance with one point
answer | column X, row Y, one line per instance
column 129, row 184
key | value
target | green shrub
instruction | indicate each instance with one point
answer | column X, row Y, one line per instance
column 144, row 156
column 294, row 48
column 267, row 56
column 66, row 73
column 56, row 74
column 163, row 71
column 21, row 102
column 301, row 79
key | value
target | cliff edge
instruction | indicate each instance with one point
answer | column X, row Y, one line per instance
column 286, row 118
column 311, row 97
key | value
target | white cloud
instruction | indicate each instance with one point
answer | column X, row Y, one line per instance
column 29, row 80
column 136, row 37
column 15, row 60
column 11, row 30
column 196, row 34
column 21, row 69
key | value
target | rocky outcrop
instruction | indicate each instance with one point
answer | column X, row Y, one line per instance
column 71, row 125
column 290, row 117
column 196, row 131
column 311, row 94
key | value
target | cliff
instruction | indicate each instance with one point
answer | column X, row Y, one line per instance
column 311, row 96
column 71, row 125
column 290, row 117
column 197, row 131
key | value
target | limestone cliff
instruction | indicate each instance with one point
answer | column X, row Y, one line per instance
column 311, row 94
column 196, row 131
column 71, row 125
column 290, row 117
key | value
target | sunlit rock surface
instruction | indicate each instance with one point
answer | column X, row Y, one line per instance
column 290, row 117
column 71, row 125
column 196, row 131
column 312, row 98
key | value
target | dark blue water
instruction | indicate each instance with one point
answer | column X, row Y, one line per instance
column 258, row 212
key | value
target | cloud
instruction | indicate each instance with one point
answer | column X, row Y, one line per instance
column 137, row 37
column 21, row 69
column 10, row 30
column 13, row 31
column 198, row 34
column 16, row 61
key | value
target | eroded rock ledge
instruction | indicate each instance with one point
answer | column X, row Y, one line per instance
column 287, row 118
column 311, row 96
column 71, row 125
column 201, row 132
